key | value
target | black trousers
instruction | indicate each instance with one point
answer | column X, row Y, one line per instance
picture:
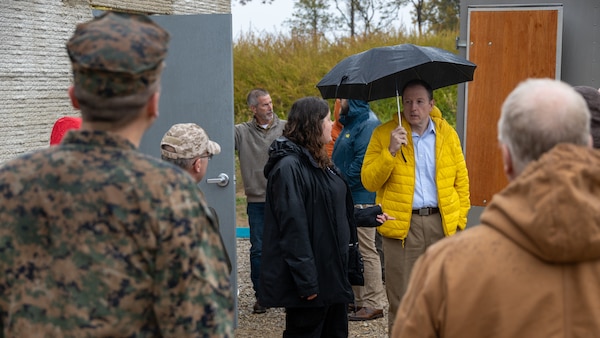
column 330, row 321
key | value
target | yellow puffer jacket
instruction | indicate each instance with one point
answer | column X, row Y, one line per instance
column 394, row 179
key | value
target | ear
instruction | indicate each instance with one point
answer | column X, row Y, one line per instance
column 74, row 101
column 197, row 165
column 509, row 169
column 152, row 108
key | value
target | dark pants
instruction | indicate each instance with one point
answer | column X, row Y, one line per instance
column 329, row 322
column 256, row 222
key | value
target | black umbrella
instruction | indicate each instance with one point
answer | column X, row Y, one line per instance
column 382, row 72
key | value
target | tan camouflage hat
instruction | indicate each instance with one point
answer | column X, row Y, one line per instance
column 117, row 54
column 189, row 140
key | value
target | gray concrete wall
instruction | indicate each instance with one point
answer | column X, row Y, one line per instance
column 34, row 66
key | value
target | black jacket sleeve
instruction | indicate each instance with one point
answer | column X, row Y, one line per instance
column 367, row 217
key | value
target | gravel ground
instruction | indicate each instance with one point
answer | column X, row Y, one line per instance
column 272, row 323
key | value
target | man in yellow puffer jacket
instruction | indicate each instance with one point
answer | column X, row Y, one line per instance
column 419, row 173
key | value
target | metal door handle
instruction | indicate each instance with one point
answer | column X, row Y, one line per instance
column 222, row 180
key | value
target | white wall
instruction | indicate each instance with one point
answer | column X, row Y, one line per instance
column 34, row 67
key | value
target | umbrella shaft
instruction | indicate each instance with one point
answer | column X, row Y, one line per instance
column 399, row 115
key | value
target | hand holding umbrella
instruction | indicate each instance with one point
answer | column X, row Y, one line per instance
column 397, row 140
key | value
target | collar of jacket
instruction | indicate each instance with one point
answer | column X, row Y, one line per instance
column 269, row 126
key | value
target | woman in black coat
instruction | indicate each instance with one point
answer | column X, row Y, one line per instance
column 309, row 222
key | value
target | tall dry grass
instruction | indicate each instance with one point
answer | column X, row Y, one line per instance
column 290, row 67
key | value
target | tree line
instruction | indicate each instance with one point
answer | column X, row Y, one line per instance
column 320, row 19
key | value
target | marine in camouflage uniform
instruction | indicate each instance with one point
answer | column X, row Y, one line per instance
column 98, row 239
column 187, row 146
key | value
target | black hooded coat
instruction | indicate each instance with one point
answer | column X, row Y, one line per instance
column 305, row 245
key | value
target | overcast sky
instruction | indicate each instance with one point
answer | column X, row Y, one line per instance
column 258, row 17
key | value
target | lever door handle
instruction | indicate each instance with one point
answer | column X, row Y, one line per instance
column 222, row 180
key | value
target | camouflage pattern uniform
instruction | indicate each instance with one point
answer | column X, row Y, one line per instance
column 100, row 240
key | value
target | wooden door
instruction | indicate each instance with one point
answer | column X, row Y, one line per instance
column 508, row 45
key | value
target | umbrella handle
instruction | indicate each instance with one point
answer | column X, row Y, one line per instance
column 399, row 119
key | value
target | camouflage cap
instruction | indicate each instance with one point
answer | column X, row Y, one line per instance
column 117, row 54
column 188, row 140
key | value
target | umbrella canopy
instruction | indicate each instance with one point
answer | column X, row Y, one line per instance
column 382, row 72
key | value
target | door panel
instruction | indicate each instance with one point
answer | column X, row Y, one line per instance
column 197, row 86
column 508, row 45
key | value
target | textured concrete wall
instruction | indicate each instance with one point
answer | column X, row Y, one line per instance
column 34, row 66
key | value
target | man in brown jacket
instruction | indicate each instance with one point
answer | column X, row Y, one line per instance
column 532, row 268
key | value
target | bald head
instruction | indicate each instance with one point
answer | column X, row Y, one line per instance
column 539, row 114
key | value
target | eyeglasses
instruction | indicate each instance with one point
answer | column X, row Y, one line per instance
column 207, row 156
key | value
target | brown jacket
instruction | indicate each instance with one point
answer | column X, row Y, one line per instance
column 531, row 269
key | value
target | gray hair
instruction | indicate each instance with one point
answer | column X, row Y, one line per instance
column 539, row 114
column 183, row 163
column 253, row 96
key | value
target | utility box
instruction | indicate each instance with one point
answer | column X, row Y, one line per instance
column 511, row 41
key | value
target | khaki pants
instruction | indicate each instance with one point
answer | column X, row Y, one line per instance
column 399, row 261
column 372, row 294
